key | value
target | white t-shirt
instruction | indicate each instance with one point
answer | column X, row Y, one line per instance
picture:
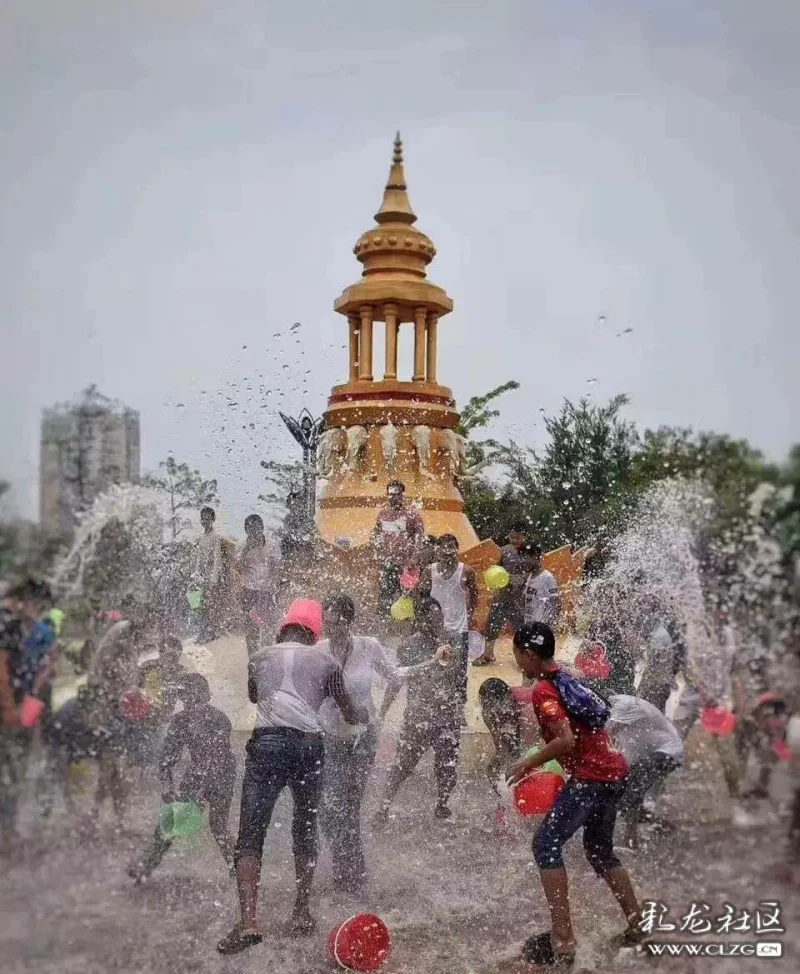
column 640, row 729
column 541, row 598
column 293, row 682
column 366, row 660
column 258, row 567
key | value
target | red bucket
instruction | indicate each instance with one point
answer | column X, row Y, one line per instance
column 782, row 749
column 30, row 710
column 134, row 706
column 361, row 943
column 536, row 794
column 409, row 579
column 718, row 720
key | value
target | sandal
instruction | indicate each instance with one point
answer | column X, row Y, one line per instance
column 539, row 950
column 634, row 937
column 238, row 940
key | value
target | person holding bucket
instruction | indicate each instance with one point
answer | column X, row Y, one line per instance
column 22, row 654
column 350, row 751
column 288, row 682
column 205, row 732
column 571, row 718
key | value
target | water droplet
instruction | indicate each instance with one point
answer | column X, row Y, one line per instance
column 244, row 346
column 277, row 334
column 625, row 331
column 566, row 485
column 590, row 382
column 180, row 405
column 295, row 326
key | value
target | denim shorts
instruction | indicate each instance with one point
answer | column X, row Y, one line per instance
column 588, row 804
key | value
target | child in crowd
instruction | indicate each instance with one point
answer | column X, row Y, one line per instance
column 502, row 718
column 571, row 719
column 434, row 708
column 762, row 737
column 160, row 680
column 205, row 732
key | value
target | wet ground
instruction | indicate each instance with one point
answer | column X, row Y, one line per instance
column 457, row 897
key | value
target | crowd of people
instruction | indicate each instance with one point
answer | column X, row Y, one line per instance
column 317, row 725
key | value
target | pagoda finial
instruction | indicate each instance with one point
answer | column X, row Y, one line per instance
column 395, row 207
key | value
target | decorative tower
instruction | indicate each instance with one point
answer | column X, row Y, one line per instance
column 394, row 427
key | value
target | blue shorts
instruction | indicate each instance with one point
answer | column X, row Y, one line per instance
column 591, row 804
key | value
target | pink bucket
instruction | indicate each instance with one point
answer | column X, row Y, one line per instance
column 30, row 711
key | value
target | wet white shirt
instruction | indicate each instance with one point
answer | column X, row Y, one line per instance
column 541, row 598
column 640, row 729
column 366, row 660
column 293, row 682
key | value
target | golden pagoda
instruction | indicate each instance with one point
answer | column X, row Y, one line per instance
column 379, row 429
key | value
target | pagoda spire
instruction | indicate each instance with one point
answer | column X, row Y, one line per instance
column 395, row 206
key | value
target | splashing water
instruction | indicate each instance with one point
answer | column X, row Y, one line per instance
column 127, row 524
column 660, row 568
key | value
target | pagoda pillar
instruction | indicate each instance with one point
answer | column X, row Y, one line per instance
column 354, row 353
column 432, row 328
column 392, row 326
column 365, row 352
column 420, row 319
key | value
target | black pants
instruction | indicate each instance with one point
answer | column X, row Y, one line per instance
column 389, row 585
column 276, row 761
column 641, row 778
column 214, row 790
column 416, row 736
column 506, row 609
column 15, row 748
column 459, row 643
column 348, row 762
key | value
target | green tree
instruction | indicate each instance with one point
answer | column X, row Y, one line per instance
column 283, row 480
column 580, row 486
column 733, row 468
column 490, row 510
column 782, row 516
column 477, row 414
column 186, row 488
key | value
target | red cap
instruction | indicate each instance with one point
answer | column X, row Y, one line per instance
column 592, row 662
column 306, row 613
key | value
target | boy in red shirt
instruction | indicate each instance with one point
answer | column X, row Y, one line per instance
column 589, row 800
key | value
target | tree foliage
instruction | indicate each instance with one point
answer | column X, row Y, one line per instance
column 188, row 490
column 588, row 478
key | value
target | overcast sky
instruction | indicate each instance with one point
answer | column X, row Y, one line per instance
column 182, row 181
